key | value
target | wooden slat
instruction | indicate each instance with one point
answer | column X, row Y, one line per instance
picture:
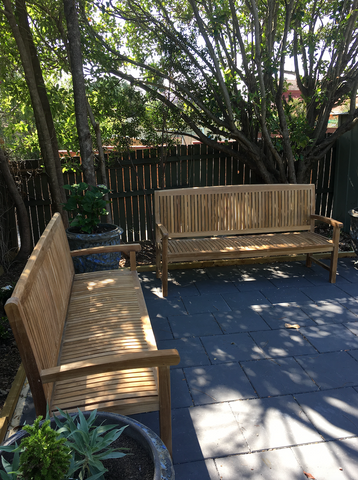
column 209, row 210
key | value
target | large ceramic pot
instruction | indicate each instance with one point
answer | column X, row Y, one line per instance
column 163, row 466
column 354, row 228
column 102, row 261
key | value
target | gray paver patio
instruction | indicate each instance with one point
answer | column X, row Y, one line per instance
column 251, row 399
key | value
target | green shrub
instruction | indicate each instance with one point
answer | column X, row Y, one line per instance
column 44, row 453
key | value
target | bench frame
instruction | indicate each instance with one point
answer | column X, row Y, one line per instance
column 184, row 216
column 45, row 290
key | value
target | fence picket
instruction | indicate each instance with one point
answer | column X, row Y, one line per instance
column 134, row 178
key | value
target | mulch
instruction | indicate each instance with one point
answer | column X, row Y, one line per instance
column 9, row 355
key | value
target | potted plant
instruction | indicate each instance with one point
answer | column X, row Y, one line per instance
column 354, row 228
column 88, row 204
column 87, row 446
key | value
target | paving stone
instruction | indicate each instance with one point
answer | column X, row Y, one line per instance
column 350, row 303
column 180, row 394
column 285, row 295
column 251, row 284
column 186, row 446
column 227, row 273
column 352, row 327
column 334, row 413
column 274, row 422
column 331, row 370
column 325, row 312
column 353, row 353
column 213, row 286
column 232, row 347
column 348, row 271
column 163, row 307
column 203, row 470
column 245, row 300
column 218, row 383
column 194, row 325
column 218, row 434
column 161, row 328
column 282, row 343
column 330, row 338
column 272, row 465
column 243, row 320
column 206, row 303
column 189, row 290
column 278, row 377
column 351, row 289
column 191, row 351
column 324, row 292
column 335, row 460
column 277, row 315
column 291, row 282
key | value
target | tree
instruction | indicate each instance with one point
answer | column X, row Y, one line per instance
column 221, row 66
column 17, row 18
column 23, row 218
column 79, row 91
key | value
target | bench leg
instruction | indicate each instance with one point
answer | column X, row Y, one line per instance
column 334, row 255
column 157, row 260
column 165, row 412
column 333, row 269
column 308, row 260
column 165, row 267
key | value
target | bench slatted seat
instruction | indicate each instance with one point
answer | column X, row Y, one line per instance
column 86, row 340
column 239, row 221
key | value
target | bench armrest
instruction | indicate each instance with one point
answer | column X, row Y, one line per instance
column 162, row 229
column 111, row 363
column 131, row 249
column 328, row 220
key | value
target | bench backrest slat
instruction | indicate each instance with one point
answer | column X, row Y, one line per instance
column 235, row 209
column 38, row 306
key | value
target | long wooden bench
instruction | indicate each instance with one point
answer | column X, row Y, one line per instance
column 86, row 340
column 240, row 221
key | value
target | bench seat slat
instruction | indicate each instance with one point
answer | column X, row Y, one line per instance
column 193, row 248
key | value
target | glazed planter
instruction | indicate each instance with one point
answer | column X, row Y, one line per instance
column 354, row 228
column 163, row 466
column 97, row 262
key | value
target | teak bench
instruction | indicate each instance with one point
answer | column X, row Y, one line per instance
column 239, row 221
column 86, row 340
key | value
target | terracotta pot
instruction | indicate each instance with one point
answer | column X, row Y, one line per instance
column 163, row 466
column 97, row 262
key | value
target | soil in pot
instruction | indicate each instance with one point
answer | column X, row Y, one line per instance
column 136, row 466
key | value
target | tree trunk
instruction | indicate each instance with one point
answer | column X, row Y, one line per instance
column 43, row 131
column 79, row 91
column 102, row 161
column 22, row 215
column 26, row 34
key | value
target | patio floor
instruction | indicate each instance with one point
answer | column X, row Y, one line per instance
column 251, row 398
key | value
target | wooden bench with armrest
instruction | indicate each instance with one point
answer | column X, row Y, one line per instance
column 239, row 221
column 86, row 340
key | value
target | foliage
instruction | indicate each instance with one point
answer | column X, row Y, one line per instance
column 6, row 292
column 221, row 68
column 44, row 455
column 76, row 448
column 89, row 443
column 10, row 470
column 87, row 203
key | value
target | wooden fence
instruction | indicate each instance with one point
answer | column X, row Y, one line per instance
column 134, row 178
